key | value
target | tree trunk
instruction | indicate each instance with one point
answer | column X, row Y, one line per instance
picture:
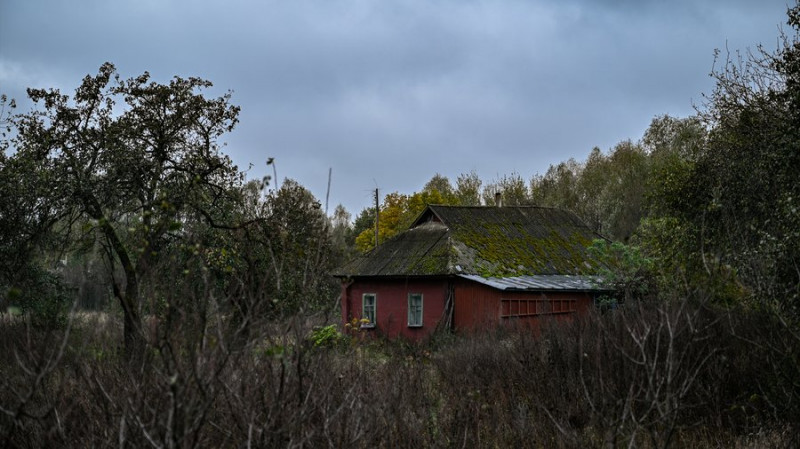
column 129, row 299
column 133, row 337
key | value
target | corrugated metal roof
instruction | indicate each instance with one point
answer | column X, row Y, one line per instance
column 540, row 282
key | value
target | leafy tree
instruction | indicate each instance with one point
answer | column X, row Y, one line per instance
column 442, row 186
column 742, row 192
column 558, row 187
column 511, row 188
column 674, row 146
column 391, row 221
column 295, row 234
column 468, row 189
column 364, row 221
column 420, row 200
column 25, row 222
column 397, row 213
column 622, row 198
column 135, row 159
column 684, row 137
column 591, row 184
column 606, row 191
column 341, row 235
column 627, row 272
column 664, row 233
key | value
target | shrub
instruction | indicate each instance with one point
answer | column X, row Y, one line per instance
column 325, row 336
column 43, row 297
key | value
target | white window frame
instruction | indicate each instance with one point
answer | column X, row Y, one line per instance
column 411, row 322
column 374, row 307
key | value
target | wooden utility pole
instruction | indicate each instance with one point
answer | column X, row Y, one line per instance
column 377, row 216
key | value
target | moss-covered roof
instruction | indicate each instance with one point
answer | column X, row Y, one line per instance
column 485, row 241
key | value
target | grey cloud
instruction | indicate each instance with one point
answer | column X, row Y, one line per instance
column 391, row 92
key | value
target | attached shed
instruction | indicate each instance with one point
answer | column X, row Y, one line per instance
column 470, row 268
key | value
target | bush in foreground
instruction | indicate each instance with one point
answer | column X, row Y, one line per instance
column 655, row 375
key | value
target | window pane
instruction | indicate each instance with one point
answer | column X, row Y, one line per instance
column 415, row 309
column 368, row 307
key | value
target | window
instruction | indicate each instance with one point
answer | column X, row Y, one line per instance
column 513, row 308
column 369, row 304
column 415, row 309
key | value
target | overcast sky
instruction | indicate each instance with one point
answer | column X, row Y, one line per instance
column 389, row 92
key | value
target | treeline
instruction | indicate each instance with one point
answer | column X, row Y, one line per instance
column 612, row 192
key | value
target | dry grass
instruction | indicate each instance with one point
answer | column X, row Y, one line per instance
column 660, row 376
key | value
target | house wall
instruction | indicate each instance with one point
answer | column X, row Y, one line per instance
column 392, row 305
column 479, row 307
column 476, row 306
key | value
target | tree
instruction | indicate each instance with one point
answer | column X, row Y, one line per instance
column 341, row 235
column 26, row 231
column 622, row 198
column 468, row 189
column 558, row 187
column 397, row 213
column 294, row 245
column 442, row 186
column 591, row 184
column 674, row 146
column 606, row 191
column 743, row 191
column 392, row 214
column 626, row 271
column 364, row 221
column 511, row 188
column 135, row 159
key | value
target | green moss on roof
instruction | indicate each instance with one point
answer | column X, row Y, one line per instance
column 487, row 241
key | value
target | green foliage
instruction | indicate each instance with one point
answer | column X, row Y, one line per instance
column 127, row 160
column 420, row 200
column 390, row 221
column 606, row 191
column 27, row 224
column 398, row 211
column 559, row 186
column 512, row 189
column 439, row 187
column 363, row 222
column 42, row 297
column 325, row 336
column 742, row 191
column 279, row 262
column 468, row 189
column 683, row 266
column 342, row 236
column 684, row 137
column 626, row 271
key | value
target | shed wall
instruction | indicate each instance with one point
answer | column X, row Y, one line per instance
column 479, row 307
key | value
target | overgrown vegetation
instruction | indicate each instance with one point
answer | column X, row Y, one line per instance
column 678, row 373
column 155, row 297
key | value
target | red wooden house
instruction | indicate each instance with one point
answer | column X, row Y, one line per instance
column 467, row 268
